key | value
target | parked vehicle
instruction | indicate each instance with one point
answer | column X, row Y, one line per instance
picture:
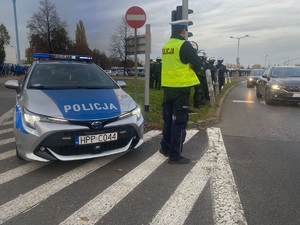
column 279, row 83
column 68, row 108
column 119, row 73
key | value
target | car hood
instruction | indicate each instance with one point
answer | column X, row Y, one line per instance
column 287, row 81
column 86, row 104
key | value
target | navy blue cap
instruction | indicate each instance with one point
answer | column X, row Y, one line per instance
column 179, row 24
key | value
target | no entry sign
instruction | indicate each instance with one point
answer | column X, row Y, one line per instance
column 135, row 17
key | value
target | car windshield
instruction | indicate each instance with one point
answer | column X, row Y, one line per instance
column 256, row 73
column 69, row 76
column 286, row 72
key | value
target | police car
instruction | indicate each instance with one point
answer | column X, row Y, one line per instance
column 69, row 109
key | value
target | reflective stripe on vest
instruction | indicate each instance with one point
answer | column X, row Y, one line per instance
column 174, row 73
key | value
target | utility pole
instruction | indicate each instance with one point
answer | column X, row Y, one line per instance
column 17, row 35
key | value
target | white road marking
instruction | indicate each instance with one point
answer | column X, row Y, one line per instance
column 179, row 205
column 240, row 101
column 6, row 130
column 20, row 171
column 6, row 116
column 8, row 122
column 7, row 141
column 227, row 206
column 32, row 198
column 7, row 154
column 94, row 210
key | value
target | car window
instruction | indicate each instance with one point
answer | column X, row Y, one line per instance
column 256, row 72
column 60, row 76
column 286, row 72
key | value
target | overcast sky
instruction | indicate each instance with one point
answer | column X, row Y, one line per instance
column 273, row 26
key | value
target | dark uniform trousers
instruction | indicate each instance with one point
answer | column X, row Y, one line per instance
column 175, row 116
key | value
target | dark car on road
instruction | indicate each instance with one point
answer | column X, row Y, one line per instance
column 253, row 77
column 279, row 83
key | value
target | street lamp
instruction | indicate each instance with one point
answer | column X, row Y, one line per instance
column 17, row 35
column 238, row 49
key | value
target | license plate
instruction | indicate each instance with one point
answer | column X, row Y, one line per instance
column 296, row 95
column 96, row 138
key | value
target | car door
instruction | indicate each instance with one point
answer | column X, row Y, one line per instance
column 263, row 81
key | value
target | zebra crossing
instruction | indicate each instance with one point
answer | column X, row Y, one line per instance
column 136, row 187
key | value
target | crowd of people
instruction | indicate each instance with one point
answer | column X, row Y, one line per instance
column 12, row 70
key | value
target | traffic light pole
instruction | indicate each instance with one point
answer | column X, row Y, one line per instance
column 185, row 8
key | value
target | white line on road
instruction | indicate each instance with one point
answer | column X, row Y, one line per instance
column 20, row 171
column 94, row 210
column 6, row 115
column 227, row 206
column 179, row 205
column 35, row 196
column 6, row 130
column 240, row 101
column 8, row 122
column 7, row 141
column 7, row 154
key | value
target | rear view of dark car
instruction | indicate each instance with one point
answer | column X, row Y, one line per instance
column 253, row 77
column 280, row 83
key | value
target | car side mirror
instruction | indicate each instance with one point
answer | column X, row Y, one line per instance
column 13, row 84
column 264, row 76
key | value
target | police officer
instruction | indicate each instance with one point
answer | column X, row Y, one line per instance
column 157, row 73
column 222, row 72
column 180, row 61
column 199, row 90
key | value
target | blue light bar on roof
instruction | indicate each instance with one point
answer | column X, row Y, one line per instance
column 61, row 56
column 41, row 55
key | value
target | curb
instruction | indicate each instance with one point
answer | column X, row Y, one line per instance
column 202, row 124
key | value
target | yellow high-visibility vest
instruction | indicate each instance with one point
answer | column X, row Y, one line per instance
column 174, row 73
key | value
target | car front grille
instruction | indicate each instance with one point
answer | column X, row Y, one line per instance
column 292, row 89
column 63, row 142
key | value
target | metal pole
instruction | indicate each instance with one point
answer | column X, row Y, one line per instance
column 17, row 35
column 185, row 8
column 147, row 66
column 135, row 62
column 238, row 51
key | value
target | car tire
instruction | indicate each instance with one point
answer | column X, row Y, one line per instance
column 258, row 94
column 268, row 99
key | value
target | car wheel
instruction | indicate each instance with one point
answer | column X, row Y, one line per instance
column 268, row 99
column 258, row 94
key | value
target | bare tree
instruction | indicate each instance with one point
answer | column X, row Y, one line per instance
column 45, row 24
column 118, row 41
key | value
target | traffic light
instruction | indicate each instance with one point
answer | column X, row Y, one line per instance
column 177, row 15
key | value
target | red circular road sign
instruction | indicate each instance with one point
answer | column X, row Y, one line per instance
column 135, row 17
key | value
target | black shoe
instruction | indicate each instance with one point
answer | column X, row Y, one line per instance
column 164, row 152
column 181, row 160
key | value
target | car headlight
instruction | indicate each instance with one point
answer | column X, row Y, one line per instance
column 31, row 119
column 276, row 86
column 250, row 79
column 135, row 112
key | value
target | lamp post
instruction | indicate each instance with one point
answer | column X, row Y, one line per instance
column 17, row 35
column 238, row 49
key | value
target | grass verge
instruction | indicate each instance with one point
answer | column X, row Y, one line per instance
column 153, row 118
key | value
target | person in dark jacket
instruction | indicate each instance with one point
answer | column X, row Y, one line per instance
column 157, row 73
column 179, row 74
column 222, row 73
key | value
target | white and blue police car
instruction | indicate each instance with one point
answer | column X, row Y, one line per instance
column 68, row 108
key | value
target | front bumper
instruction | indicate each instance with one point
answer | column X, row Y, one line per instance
column 284, row 96
column 57, row 141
